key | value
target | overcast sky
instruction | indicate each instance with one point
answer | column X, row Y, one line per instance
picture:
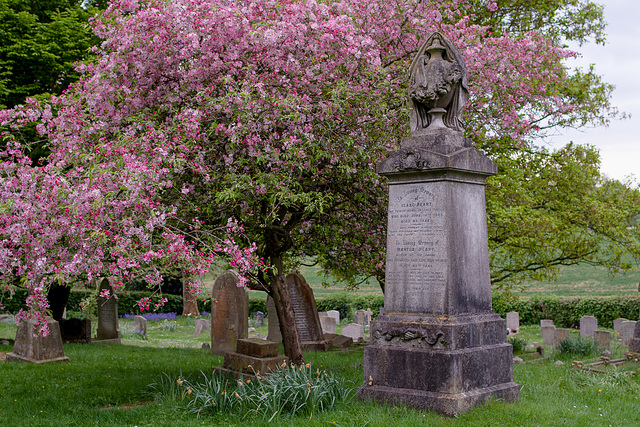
column 619, row 63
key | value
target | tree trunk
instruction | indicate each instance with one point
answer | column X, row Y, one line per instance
column 189, row 305
column 286, row 316
column 58, row 296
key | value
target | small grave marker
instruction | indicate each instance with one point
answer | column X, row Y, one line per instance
column 513, row 321
column 588, row 325
column 140, row 325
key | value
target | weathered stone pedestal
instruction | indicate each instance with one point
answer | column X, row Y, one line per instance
column 28, row 348
column 438, row 345
column 252, row 356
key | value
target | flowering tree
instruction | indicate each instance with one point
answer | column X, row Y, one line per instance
column 198, row 114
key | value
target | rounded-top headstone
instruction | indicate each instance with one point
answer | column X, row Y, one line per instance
column 229, row 313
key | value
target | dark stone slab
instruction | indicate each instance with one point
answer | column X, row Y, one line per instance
column 28, row 348
column 257, row 348
column 229, row 314
column 75, row 330
column 306, row 313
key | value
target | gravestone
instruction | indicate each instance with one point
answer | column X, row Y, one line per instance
column 438, row 345
column 617, row 325
column 335, row 314
column 627, row 329
column 328, row 323
column 561, row 335
column 201, row 325
column 28, row 348
column 546, row 322
column 588, row 325
column 258, row 317
column 362, row 317
column 634, row 342
column 513, row 321
column 75, row 330
column 273, row 322
column 229, row 313
column 306, row 314
column 602, row 339
column 108, row 329
column 140, row 325
column 548, row 335
column 355, row 331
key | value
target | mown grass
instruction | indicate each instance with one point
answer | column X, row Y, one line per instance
column 107, row 384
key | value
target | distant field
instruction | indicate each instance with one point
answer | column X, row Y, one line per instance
column 578, row 280
column 586, row 280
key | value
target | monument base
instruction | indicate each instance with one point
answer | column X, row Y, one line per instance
column 37, row 349
column 443, row 403
column 13, row 357
column 446, row 364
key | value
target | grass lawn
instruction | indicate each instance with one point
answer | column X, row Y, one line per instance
column 107, row 384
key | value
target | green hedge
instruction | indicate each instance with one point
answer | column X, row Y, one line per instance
column 565, row 312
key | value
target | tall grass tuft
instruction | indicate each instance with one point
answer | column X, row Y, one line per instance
column 578, row 346
column 292, row 390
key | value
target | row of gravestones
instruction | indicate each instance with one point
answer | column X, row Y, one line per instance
column 314, row 328
column 626, row 329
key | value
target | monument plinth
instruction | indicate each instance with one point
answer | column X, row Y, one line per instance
column 438, row 345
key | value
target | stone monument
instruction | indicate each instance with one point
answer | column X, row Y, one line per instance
column 37, row 349
column 229, row 313
column 438, row 345
column 306, row 314
column 108, row 328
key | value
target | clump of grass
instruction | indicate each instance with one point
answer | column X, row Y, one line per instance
column 578, row 346
column 293, row 390
column 128, row 330
column 168, row 325
column 519, row 344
